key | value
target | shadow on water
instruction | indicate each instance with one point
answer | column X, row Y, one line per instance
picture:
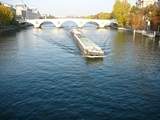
column 93, row 61
column 13, row 33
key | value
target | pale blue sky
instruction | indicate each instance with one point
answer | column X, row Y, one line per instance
column 69, row 7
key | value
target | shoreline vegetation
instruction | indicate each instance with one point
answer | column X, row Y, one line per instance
column 8, row 22
column 136, row 17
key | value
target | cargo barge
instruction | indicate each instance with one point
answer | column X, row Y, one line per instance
column 87, row 47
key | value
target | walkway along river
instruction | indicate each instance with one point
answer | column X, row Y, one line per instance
column 43, row 76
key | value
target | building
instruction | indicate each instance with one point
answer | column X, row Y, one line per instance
column 24, row 12
column 32, row 14
column 20, row 10
column 35, row 14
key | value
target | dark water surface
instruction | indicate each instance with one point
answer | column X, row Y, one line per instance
column 43, row 76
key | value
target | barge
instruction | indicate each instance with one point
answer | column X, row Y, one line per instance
column 87, row 47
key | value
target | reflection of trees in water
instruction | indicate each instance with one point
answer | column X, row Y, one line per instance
column 146, row 42
column 124, row 42
column 119, row 45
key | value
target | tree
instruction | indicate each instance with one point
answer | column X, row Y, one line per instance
column 121, row 11
column 6, row 15
column 101, row 15
column 104, row 15
column 136, row 18
column 140, row 16
column 137, row 21
column 50, row 17
column 152, row 11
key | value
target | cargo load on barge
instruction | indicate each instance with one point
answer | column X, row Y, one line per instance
column 87, row 47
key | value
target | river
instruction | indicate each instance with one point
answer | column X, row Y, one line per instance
column 43, row 76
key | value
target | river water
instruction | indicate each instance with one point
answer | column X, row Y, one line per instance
column 43, row 76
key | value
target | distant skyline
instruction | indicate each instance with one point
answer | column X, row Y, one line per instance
column 68, row 7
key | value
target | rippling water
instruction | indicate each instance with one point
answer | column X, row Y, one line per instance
column 43, row 76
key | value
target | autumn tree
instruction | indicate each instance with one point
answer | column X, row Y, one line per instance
column 121, row 11
column 6, row 15
column 136, row 18
column 139, row 16
column 152, row 11
column 153, row 14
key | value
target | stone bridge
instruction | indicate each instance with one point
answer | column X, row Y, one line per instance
column 80, row 22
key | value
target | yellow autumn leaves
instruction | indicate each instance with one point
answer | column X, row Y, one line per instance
column 6, row 15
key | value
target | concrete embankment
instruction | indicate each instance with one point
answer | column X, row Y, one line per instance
column 150, row 34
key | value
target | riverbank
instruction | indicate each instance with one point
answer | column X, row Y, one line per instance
column 13, row 28
column 150, row 34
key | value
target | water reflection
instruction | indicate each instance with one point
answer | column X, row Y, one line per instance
column 147, row 43
column 43, row 70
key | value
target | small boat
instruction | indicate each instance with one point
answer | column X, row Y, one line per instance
column 149, row 34
column 88, row 48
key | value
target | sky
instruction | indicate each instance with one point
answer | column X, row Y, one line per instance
column 68, row 7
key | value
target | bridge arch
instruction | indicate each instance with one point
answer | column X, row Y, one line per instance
column 74, row 23
column 44, row 22
column 91, row 22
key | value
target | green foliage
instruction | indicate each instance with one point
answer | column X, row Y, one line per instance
column 101, row 15
column 121, row 12
column 104, row 15
column 6, row 15
column 50, row 17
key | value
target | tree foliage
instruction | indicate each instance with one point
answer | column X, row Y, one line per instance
column 6, row 15
column 121, row 12
column 152, row 11
column 136, row 19
column 101, row 15
column 140, row 16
